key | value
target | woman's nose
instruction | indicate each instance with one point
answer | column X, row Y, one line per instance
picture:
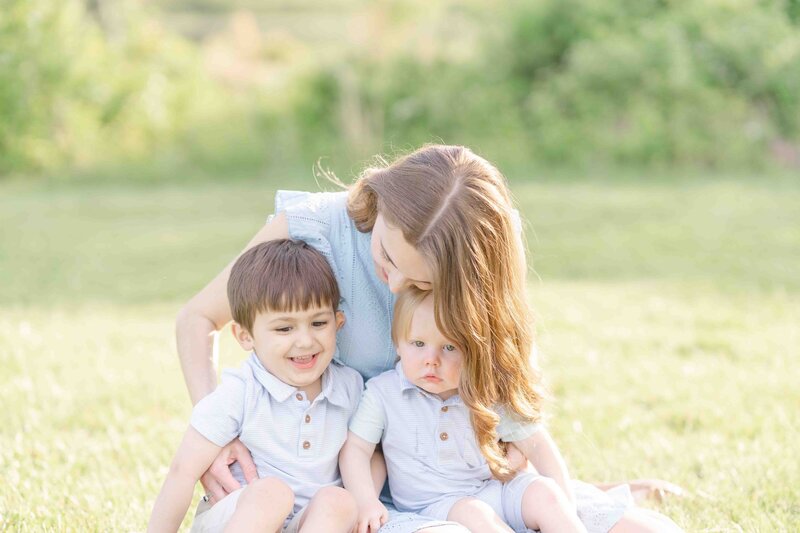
column 396, row 281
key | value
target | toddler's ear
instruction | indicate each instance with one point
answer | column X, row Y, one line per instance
column 242, row 336
column 340, row 320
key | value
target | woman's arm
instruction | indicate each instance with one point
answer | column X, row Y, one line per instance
column 354, row 463
column 542, row 452
column 206, row 313
column 191, row 460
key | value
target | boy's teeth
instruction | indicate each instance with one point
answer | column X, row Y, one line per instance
column 303, row 358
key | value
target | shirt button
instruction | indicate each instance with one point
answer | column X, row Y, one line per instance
column 308, row 419
column 306, row 445
column 444, row 409
column 443, row 436
column 298, row 396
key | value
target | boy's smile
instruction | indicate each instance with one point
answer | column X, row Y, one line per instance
column 294, row 346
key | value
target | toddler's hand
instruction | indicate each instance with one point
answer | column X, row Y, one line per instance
column 371, row 516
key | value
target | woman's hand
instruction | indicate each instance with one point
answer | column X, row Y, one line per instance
column 372, row 514
column 218, row 480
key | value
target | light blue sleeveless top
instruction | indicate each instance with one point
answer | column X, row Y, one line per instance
column 320, row 219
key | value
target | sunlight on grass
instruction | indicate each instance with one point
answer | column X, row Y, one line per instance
column 668, row 320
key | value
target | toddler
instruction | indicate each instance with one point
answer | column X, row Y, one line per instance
column 434, row 457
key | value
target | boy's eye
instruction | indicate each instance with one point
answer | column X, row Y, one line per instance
column 418, row 344
column 449, row 348
column 285, row 329
column 319, row 324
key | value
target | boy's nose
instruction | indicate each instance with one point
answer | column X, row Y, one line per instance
column 304, row 338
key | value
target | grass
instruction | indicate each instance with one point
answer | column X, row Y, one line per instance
column 668, row 323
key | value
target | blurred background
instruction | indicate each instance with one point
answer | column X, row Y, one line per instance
column 183, row 88
column 652, row 147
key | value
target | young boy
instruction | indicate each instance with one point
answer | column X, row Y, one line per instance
column 289, row 403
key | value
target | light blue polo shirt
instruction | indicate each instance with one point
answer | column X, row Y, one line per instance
column 290, row 437
column 429, row 443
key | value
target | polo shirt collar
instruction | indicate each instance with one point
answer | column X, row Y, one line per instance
column 405, row 383
column 336, row 395
column 283, row 391
column 276, row 388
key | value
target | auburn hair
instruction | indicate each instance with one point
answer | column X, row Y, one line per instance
column 455, row 208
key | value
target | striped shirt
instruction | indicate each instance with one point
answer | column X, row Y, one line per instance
column 429, row 443
column 289, row 437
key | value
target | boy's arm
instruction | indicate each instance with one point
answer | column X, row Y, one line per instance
column 542, row 452
column 354, row 463
column 192, row 459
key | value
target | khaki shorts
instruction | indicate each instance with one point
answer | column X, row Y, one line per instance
column 210, row 519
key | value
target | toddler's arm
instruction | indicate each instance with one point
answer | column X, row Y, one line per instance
column 354, row 463
column 193, row 457
column 542, row 452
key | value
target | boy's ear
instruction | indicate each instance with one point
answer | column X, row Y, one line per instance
column 340, row 320
column 242, row 336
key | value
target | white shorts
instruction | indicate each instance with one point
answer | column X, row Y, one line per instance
column 210, row 519
column 504, row 498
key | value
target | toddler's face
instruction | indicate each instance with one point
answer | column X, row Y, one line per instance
column 430, row 360
column 295, row 346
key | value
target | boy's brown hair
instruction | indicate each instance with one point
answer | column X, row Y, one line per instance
column 280, row 275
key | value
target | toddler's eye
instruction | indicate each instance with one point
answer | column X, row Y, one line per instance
column 285, row 329
column 418, row 344
column 449, row 348
column 319, row 324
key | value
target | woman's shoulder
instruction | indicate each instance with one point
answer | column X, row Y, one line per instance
column 319, row 205
column 319, row 218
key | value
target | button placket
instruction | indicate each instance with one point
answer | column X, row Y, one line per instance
column 444, row 443
column 309, row 439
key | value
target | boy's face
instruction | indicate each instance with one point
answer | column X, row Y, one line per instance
column 430, row 360
column 295, row 346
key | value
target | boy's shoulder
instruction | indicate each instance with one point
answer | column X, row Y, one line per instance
column 385, row 380
column 347, row 383
column 343, row 374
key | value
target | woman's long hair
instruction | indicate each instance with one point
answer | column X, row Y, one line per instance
column 454, row 207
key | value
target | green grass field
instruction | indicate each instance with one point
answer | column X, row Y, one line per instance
column 668, row 318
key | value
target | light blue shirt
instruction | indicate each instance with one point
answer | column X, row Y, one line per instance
column 321, row 220
column 429, row 443
column 290, row 437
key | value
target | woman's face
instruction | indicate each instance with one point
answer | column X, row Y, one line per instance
column 397, row 263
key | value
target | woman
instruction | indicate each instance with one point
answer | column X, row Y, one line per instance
column 440, row 219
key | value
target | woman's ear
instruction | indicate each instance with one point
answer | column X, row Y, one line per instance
column 340, row 320
column 242, row 336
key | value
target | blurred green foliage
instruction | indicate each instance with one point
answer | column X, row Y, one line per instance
column 80, row 86
column 651, row 83
column 654, row 83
